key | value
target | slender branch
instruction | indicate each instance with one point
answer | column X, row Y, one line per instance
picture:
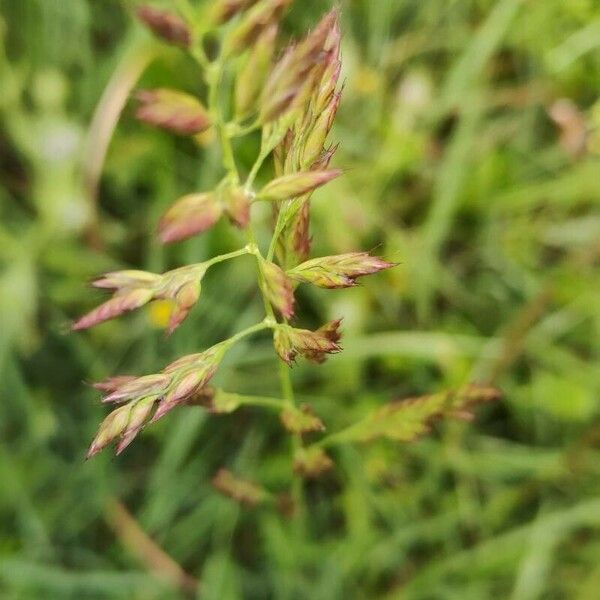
column 261, row 280
column 267, row 323
column 266, row 401
column 203, row 266
column 336, row 437
column 285, row 380
column 266, row 147
column 223, row 257
column 198, row 53
column 279, row 227
column 286, row 383
column 214, row 76
column 237, row 130
column 256, row 168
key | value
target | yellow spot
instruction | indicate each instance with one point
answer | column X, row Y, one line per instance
column 366, row 81
column 159, row 313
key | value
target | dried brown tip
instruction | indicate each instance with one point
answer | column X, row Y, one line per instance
column 302, row 420
column 312, row 462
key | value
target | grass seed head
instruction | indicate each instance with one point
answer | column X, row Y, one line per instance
column 190, row 215
column 185, row 298
column 121, row 303
column 110, row 429
column 237, row 201
column 339, row 271
column 298, row 72
column 260, row 17
column 252, row 74
column 138, row 418
column 165, row 25
column 312, row 345
column 278, row 288
column 172, row 110
column 224, row 10
column 297, row 184
column 137, row 387
column 311, row 462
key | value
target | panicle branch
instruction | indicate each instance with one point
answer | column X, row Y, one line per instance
column 292, row 96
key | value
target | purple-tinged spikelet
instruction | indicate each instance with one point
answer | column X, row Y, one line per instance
column 138, row 417
column 300, row 231
column 251, row 77
column 236, row 201
column 133, row 289
column 172, row 110
column 112, row 383
column 339, row 271
column 298, row 71
column 190, row 215
column 297, row 184
column 260, row 17
column 179, row 383
column 185, row 298
column 121, row 303
column 224, row 10
column 278, row 288
column 137, row 387
column 165, row 25
column 110, row 429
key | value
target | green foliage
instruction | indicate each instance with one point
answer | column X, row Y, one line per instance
column 454, row 167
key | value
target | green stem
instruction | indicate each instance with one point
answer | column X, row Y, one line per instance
column 198, row 29
column 266, row 324
column 279, row 227
column 266, row 147
column 228, row 157
column 237, row 130
column 287, row 391
column 286, row 383
column 284, row 371
column 228, row 256
column 267, row 402
column 199, row 55
column 256, row 168
column 261, row 279
column 337, row 437
column 202, row 267
column 214, row 74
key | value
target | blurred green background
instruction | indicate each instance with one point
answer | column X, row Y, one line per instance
column 470, row 132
